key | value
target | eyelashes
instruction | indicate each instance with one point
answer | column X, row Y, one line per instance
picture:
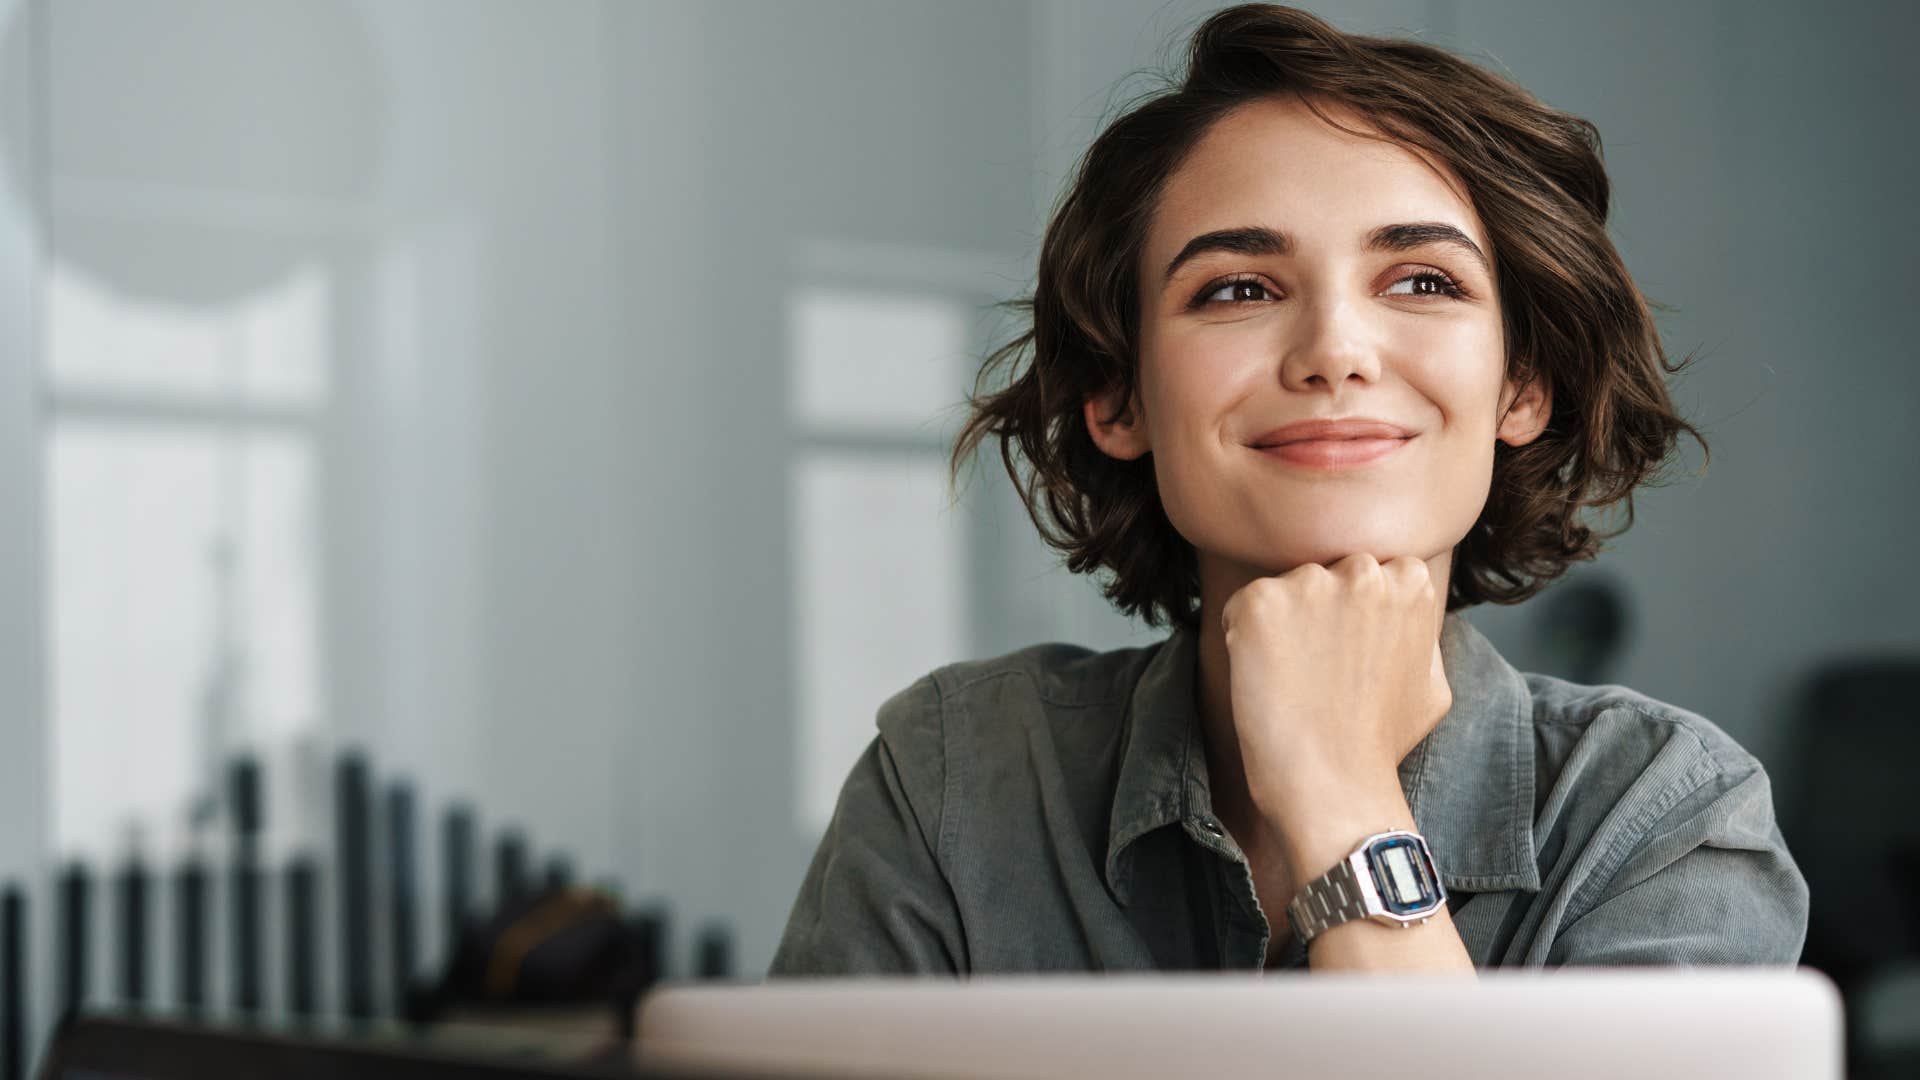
column 1445, row 287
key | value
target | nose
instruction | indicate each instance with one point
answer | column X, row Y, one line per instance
column 1328, row 345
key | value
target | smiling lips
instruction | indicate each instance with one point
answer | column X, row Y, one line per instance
column 1334, row 453
column 1333, row 444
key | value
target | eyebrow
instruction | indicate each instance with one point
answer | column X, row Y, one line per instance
column 1260, row 240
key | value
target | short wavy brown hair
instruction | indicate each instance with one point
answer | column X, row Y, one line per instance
column 1571, row 313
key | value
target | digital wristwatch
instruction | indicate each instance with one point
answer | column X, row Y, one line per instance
column 1390, row 878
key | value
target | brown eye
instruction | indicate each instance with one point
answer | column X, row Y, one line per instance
column 1428, row 282
column 1232, row 291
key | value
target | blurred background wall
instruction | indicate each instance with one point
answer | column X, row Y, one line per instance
column 550, row 396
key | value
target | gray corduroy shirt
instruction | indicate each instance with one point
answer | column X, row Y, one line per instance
column 1049, row 810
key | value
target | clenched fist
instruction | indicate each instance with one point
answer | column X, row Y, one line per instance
column 1335, row 676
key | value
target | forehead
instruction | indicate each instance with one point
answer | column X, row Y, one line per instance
column 1274, row 162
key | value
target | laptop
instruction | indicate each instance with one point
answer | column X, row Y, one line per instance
column 1693, row 1023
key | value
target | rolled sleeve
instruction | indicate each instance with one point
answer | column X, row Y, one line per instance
column 874, row 899
column 1708, row 882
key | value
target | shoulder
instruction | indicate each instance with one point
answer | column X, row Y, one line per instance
column 1656, row 835
column 991, row 706
column 1055, row 672
column 1055, row 675
column 1623, row 762
column 1628, row 719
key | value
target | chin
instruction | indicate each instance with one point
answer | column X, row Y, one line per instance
column 1328, row 552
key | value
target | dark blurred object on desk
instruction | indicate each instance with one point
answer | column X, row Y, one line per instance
column 561, row 956
column 545, row 957
column 93, row 1046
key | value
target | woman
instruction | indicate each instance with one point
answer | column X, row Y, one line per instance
column 1327, row 344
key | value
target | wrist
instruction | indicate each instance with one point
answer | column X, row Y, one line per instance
column 1313, row 837
column 1391, row 879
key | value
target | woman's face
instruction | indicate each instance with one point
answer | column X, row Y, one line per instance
column 1309, row 313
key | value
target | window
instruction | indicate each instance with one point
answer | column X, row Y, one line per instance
column 183, row 480
column 884, row 344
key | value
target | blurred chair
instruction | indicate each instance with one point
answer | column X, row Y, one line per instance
column 1847, row 817
column 1584, row 627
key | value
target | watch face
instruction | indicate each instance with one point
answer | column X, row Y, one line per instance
column 1404, row 875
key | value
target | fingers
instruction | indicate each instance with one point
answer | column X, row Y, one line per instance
column 1403, row 576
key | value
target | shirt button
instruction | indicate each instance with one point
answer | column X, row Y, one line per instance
column 1212, row 826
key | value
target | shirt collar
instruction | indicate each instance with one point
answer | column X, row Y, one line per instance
column 1469, row 783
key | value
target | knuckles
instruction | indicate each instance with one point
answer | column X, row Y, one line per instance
column 1403, row 580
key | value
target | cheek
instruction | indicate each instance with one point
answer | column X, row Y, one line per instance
column 1460, row 474
column 1194, row 487
column 1461, row 381
column 1204, row 383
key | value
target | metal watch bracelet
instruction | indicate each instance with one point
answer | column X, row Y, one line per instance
column 1326, row 902
column 1338, row 896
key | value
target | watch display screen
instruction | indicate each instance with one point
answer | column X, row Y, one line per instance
column 1405, row 879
